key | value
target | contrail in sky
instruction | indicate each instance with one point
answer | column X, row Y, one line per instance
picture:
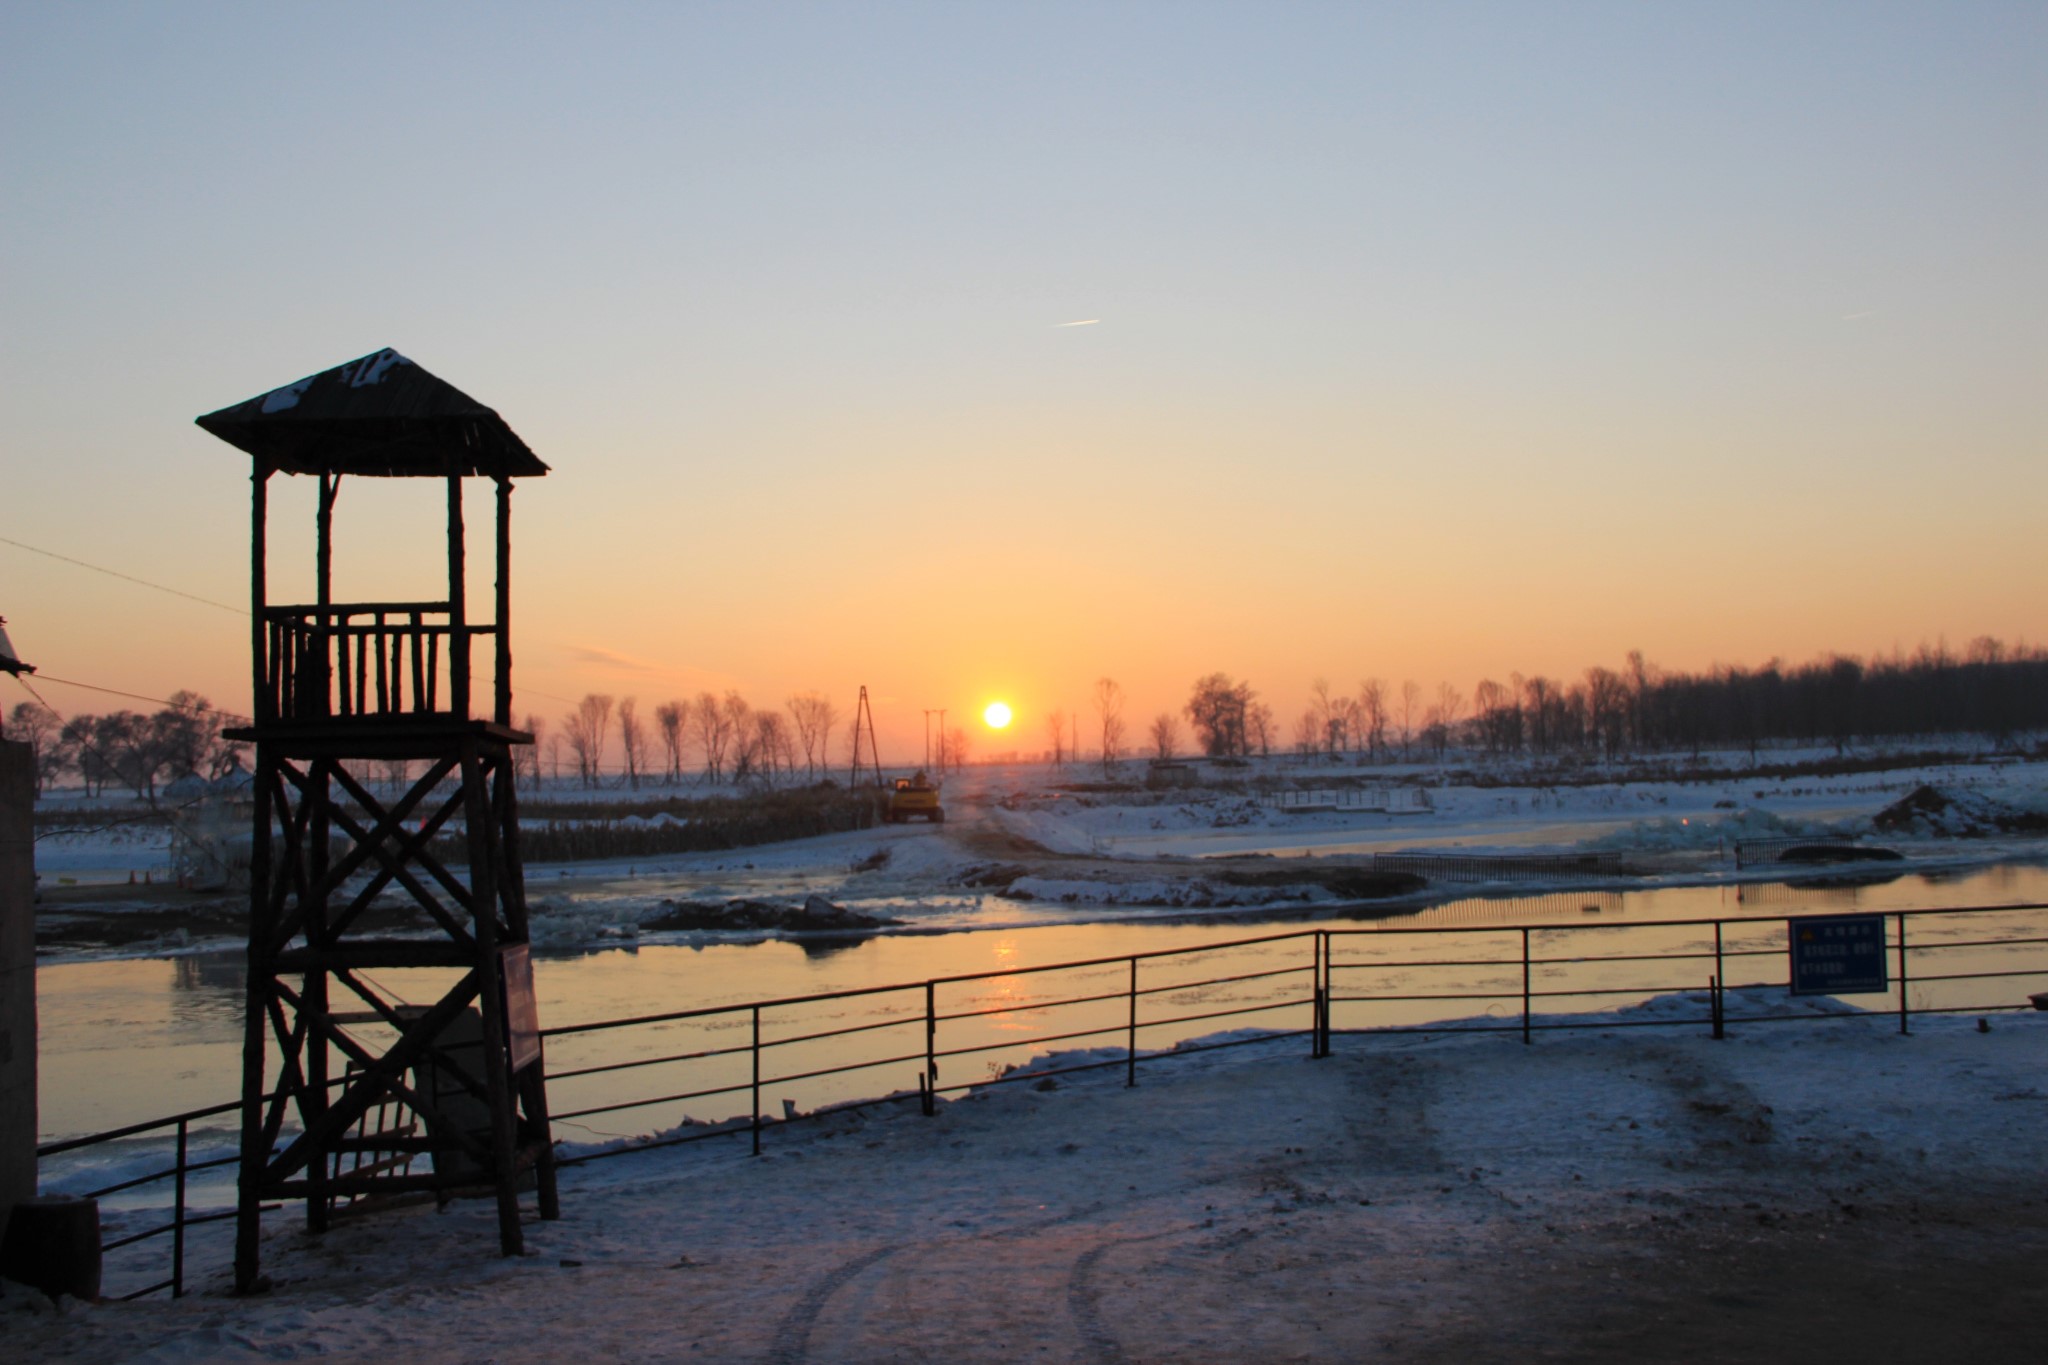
column 1084, row 322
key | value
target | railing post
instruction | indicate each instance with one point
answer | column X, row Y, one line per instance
column 1902, row 975
column 756, row 1089
column 1131, row 1032
column 1525, row 987
column 1714, row 987
column 178, row 1221
column 1321, row 972
column 931, row 1049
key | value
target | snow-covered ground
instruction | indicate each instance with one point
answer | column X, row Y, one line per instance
column 1142, row 851
column 1807, row 1190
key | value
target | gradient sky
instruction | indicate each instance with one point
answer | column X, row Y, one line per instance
column 1435, row 341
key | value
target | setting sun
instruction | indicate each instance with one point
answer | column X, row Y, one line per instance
column 997, row 715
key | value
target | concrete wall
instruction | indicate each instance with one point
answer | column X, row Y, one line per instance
column 17, row 976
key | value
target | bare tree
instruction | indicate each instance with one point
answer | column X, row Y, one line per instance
column 1259, row 731
column 1109, row 709
column 669, row 718
column 1607, row 707
column 1346, row 724
column 186, row 735
column 826, row 717
column 1497, row 715
column 1411, row 700
column 1308, row 733
column 633, row 739
column 37, row 726
column 1220, row 709
column 537, row 727
column 586, row 727
column 1056, row 731
column 76, row 739
column 1372, row 710
column 959, row 747
column 813, row 716
column 1165, row 734
column 739, row 731
column 1319, row 706
column 769, row 748
column 555, row 746
column 1643, row 677
column 1542, row 700
column 714, row 733
column 1450, row 702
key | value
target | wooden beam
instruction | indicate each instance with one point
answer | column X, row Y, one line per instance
column 460, row 894
column 379, row 1076
column 497, row 1072
column 363, row 954
column 458, row 605
column 503, row 707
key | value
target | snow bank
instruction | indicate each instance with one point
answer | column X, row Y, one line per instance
column 1674, row 833
column 1048, row 831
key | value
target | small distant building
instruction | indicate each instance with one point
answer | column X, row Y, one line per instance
column 1167, row 773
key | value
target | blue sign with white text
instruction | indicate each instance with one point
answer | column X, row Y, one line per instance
column 1839, row 955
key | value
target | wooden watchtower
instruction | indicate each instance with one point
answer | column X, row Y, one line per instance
column 339, row 687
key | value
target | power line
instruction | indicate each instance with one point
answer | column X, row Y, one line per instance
column 175, row 592
column 116, row 573
column 117, row 692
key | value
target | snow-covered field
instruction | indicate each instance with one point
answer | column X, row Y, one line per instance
column 1818, row 1190
column 1029, row 845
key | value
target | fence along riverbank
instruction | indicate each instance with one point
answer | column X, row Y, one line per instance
column 738, row 1072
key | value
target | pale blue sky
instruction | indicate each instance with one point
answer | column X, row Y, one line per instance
column 1435, row 340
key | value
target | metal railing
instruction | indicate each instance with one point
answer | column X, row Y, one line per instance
column 934, row 1025
column 1124, row 1010
column 178, row 1172
column 1529, row 977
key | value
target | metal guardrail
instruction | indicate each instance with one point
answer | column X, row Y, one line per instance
column 1529, row 992
column 1114, row 1003
column 178, row 1171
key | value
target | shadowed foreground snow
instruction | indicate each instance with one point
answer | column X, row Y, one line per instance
column 1823, row 1189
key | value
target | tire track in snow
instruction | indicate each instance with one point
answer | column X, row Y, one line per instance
column 1084, row 1302
column 792, row 1344
column 793, row 1335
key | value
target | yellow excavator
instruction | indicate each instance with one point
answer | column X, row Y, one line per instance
column 914, row 798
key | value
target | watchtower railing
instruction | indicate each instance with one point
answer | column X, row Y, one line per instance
column 362, row 660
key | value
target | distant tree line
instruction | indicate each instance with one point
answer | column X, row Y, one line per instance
column 127, row 749
column 715, row 738
column 1991, row 689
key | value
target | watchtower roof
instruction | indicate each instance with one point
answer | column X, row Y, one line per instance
column 382, row 416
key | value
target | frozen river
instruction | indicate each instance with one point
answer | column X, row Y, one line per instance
column 129, row 1039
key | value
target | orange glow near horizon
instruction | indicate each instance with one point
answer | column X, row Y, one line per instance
column 1433, row 397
